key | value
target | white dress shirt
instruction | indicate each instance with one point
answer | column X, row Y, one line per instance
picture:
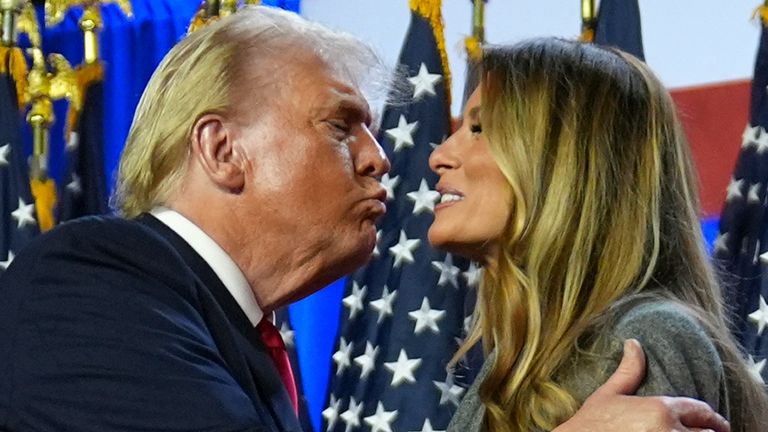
column 221, row 263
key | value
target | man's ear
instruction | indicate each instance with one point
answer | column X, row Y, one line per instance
column 213, row 148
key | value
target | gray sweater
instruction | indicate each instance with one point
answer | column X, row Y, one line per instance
column 681, row 361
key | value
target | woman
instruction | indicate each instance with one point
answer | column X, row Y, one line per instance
column 571, row 180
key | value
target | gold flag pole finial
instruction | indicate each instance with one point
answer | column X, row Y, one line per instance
column 40, row 115
column 40, row 118
column 228, row 7
column 43, row 87
column 588, row 20
column 473, row 44
column 211, row 10
column 18, row 16
column 761, row 12
column 90, row 23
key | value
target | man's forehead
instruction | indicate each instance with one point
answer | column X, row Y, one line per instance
column 345, row 97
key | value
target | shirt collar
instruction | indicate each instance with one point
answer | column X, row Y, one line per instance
column 221, row 263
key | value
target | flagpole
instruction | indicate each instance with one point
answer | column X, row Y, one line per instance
column 478, row 20
column 588, row 20
column 40, row 116
column 9, row 9
column 473, row 43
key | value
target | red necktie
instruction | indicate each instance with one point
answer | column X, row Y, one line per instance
column 272, row 339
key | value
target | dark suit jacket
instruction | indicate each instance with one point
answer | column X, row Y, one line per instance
column 109, row 324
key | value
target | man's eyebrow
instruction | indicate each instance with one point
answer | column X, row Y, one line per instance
column 353, row 106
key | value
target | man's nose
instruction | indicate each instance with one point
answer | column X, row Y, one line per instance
column 370, row 159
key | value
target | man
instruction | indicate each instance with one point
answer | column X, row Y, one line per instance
column 248, row 181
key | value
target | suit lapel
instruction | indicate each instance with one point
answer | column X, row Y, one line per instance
column 252, row 367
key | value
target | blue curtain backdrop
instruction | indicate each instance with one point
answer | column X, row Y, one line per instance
column 131, row 49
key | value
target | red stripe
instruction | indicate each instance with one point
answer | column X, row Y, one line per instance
column 714, row 117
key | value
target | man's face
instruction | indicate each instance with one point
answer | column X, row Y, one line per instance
column 312, row 167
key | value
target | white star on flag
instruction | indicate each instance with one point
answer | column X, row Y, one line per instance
column 402, row 134
column 762, row 142
column 764, row 258
column 376, row 252
column 468, row 323
column 473, row 275
column 721, row 243
column 749, row 136
column 427, row 427
column 354, row 301
column 426, row 317
column 73, row 142
column 4, row 152
column 384, row 305
column 760, row 316
column 342, row 356
column 424, row 198
column 449, row 273
column 756, row 369
column 402, row 369
column 287, row 334
column 4, row 264
column 734, row 189
column 74, row 186
column 756, row 255
column 424, row 82
column 23, row 214
column 449, row 391
column 403, row 250
column 352, row 415
column 381, row 420
column 367, row 361
column 753, row 196
column 389, row 184
column 331, row 414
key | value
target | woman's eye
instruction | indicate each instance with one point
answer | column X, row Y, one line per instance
column 475, row 129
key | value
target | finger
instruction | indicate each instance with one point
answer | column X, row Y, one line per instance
column 697, row 414
column 630, row 372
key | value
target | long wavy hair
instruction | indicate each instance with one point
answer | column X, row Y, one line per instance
column 605, row 210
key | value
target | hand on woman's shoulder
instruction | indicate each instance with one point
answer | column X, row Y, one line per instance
column 681, row 358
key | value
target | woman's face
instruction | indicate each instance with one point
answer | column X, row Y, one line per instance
column 475, row 201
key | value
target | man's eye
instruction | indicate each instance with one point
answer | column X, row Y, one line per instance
column 339, row 125
column 475, row 129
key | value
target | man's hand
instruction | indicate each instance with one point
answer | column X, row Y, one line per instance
column 610, row 409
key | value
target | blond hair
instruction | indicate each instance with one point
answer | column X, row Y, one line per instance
column 605, row 210
column 203, row 74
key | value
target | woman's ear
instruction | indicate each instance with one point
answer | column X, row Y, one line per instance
column 213, row 147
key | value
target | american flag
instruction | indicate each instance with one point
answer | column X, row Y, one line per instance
column 83, row 188
column 741, row 247
column 618, row 25
column 17, row 209
column 405, row 310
